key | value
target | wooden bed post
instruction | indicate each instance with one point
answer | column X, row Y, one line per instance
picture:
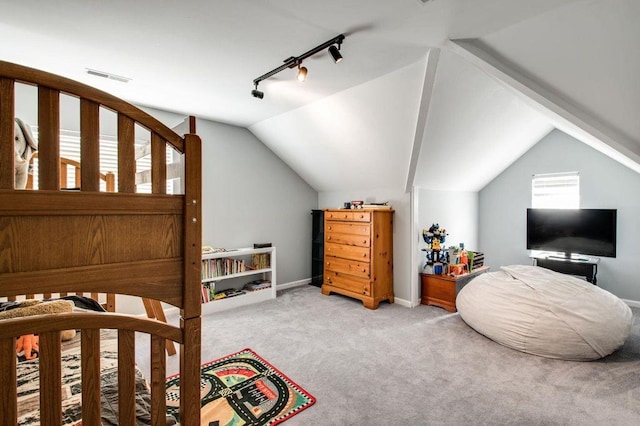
column 7, row 150
column 8, row 396
column 191, row 323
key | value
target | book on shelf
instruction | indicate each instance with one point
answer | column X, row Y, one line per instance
column 261, row 261
column 208, row 291
column 231, row 292
column 212, row 268
column 211, row 250
column 257, row 285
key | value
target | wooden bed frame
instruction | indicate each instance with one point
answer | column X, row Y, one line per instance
column 152, row 307
column 86, row 241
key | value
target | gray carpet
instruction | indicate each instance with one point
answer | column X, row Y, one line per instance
column 421, row 366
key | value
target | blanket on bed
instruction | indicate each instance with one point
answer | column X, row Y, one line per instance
column 28, row 379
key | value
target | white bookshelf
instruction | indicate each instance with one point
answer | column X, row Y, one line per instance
column 249, row 297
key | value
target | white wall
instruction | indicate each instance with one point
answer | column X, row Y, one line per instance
column 455, row 211
column 400, row 201
column 604, row 183
column 250, row 196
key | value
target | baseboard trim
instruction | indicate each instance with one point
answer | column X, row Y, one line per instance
column 402, row 302
column 293, row 284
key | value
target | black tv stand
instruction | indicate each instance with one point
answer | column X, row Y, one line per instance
column 583, row 267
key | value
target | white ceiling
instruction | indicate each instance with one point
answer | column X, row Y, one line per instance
column 351, row 125
column 361, row 137
column 476, row 126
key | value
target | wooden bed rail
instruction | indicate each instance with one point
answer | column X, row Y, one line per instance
column 78, row 320
column 50, row 364
column 162, row 280
column 10, row 73
column 91, row 100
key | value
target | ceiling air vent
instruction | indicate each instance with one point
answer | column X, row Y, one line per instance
column 107, row 75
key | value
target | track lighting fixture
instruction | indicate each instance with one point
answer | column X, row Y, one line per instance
column 302, row 73
column 296, row 61
column 256, row 93
column 335, row 54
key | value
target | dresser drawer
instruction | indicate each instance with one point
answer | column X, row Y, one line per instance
column 357, row 216
column 347, row 282
column 347, row 251
column 353, row 228
column 350, row 240
column 350, row 267
column 339, row 215
column 361, row 216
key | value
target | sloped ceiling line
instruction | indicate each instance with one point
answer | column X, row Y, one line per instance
column 564, row 116
column 423, row 113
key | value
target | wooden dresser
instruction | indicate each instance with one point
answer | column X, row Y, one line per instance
column 358, row 254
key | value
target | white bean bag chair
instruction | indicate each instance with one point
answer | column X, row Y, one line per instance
column 545, row 313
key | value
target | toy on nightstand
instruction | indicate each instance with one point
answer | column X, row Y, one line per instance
column 436, row 257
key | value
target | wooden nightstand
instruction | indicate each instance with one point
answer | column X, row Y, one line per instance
column 441, row 290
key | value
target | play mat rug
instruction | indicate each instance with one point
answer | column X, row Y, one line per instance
column 242, row 389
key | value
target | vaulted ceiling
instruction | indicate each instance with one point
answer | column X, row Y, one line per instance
column 426, row 88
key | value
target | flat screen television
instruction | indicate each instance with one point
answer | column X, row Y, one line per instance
column 578, row 232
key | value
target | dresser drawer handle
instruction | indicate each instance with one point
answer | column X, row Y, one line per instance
column 346, row 216
column 364, row 270
column 329, row 237
column 364, row 241
column 330, row 228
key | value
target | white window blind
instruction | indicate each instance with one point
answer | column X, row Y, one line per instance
column 555, row 191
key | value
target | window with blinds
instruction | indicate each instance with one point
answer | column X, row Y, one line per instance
column 555, row 191
column 70, row 149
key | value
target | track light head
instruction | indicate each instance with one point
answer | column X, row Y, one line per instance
column 302, row 73
column 335, row 54
column 255, row 92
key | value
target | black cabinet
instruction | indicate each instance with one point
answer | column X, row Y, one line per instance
column 317, row 247
column 587, row 268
